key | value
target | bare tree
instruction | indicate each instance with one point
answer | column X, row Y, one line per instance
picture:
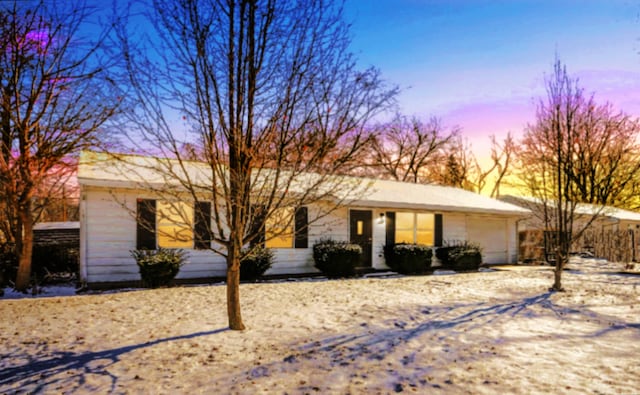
column 54, row 98
column 457, row 165
column 408, row 149
column 57, row 198
column 275, row 105
column 502, row 156
column 576, row 152
column 462, row 168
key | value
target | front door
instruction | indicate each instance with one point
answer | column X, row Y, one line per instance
column 361, row 233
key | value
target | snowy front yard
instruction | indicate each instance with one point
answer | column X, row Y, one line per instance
column 488, row 332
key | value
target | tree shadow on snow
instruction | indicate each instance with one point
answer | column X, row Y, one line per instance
column 444, row 323
column 378, row 343
column 39, row 374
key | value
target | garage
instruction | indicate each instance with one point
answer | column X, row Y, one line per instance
column 491, row 234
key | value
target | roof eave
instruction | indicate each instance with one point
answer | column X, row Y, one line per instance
column 440, row 208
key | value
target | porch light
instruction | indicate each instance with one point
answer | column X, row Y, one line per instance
column 381, row 219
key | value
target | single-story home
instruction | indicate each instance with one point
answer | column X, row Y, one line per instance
column 115, row 197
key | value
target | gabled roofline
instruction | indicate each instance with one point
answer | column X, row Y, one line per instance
column 103, row 170
column 583, row 208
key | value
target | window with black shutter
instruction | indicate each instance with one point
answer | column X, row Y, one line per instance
column 301, row 228
column 437, row 237
column 390, row 228
column 257, row 226
column 202, row 226
column 146, row 224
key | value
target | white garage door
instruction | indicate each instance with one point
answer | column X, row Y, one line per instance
column 491, row 234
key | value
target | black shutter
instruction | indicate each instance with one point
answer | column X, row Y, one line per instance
column 202, row 226
column 301, row 228
column 437, row 232
column 146, row 224
column 257, row 226
column 390, row 228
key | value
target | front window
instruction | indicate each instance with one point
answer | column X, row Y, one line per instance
column 174, row 227
column 279, row 228
column 414, row 228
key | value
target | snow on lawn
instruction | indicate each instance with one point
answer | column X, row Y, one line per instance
column 487, row 332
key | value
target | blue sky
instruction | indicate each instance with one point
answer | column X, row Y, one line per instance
column 481, row 64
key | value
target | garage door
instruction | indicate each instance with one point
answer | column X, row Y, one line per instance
column 491, row 234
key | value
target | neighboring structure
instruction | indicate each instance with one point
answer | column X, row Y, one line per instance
column 56, row 247
column 613, row 234
column 47, row 233
column 114, row 192
column 608, row 217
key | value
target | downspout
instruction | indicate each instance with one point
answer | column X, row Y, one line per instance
column 518, row 238
column 84, row 246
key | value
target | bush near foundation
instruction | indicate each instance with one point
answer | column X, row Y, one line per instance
column 466, row 256
column 159, row 267
column 408, row 258
column 336, row 259
column 255, row 262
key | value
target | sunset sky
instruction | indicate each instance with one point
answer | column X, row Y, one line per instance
column 481, row 64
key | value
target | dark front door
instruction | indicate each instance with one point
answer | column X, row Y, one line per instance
column 361, row 232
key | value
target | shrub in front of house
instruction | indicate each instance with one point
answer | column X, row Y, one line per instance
column 336, row 259
column 159, row 267
column 442, row 253
column 255, row 262
column 408, row 258
column 466, row 256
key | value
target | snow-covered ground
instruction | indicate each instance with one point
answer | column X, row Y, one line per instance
column 489, row 332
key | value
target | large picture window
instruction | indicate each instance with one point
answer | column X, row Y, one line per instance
column 414, row 228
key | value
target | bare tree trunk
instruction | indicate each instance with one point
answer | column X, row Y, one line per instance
column 26, row 247
column 557, row 272
column 275, row 90
column 233, row 289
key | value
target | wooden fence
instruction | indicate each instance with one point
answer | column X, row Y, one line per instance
column 612, row 245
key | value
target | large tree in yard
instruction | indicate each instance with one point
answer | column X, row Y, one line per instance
column 577, row 152
column 266, row 94
column 54, row 97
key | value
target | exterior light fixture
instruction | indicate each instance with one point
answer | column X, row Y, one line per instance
column 381, row 219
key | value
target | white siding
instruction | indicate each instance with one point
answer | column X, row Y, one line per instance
column 497, row 235
column 491, row 234
column 454, row 227
column 108, row 234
